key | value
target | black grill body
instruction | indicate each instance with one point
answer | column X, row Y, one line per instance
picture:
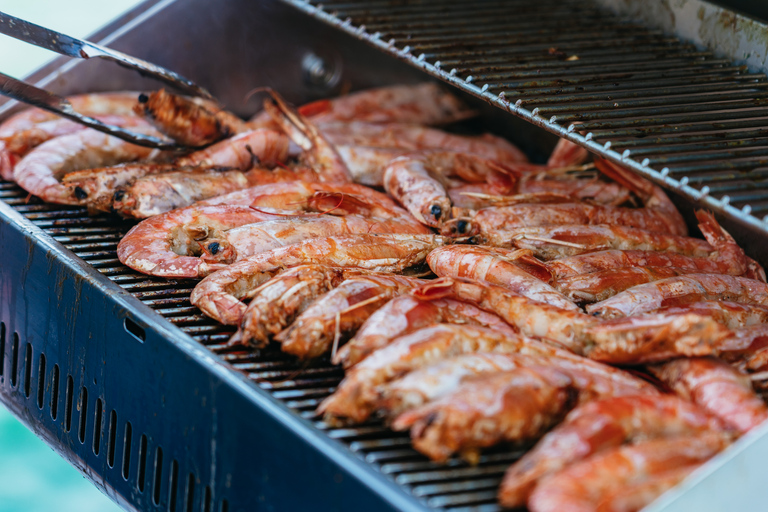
column 120, row 374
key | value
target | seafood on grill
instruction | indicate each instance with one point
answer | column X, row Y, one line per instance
column 514, row 405
column 504, row 219
column 29, row 128
column 41, row 169
column 542, row 189
column 599, row 481
column 717, row 388
column 600, row 425
column 413, row 138
column 405, row 314
column 190, row 121
column 219, row 294
column 357, row 396
column 494, row 267
column 275, row 304
column 426, row 104
column 99, row 187
column 168, row 245
column 228, row 228
column 330, row 319
column 624, row 340
column 657, row 214
column 553, row 242
column 592, row 379
column 419, row 181
column 684, row 289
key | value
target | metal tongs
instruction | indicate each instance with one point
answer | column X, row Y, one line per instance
column 80, row 49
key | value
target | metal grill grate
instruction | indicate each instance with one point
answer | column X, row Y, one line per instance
column 301, row 387
column 673, row 113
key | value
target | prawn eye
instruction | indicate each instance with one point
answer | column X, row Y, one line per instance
column 118, row 195
column 80, row 193
column 143, row 98
column 461, row 226
column 436, row 210
column 213, row 247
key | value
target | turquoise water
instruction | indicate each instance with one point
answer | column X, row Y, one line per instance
column 33, row 478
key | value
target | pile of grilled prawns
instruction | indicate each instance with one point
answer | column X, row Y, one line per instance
column 472, row 297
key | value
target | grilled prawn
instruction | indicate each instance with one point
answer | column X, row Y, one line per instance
column 29, row 128
column 356, row 397
column 218, row 294
column 418, row 181
column 717, row 388
column 592, row 379
column 600, row 425
column 588, row 485
column 97, row 187
column 628, row 340
column 405, row 314
column 514, row 405
column 485, row 264
column 552, row 242
column 426, row 103
column 681, row 290
column 340, row 312
column 41, row 169
column 190, row 121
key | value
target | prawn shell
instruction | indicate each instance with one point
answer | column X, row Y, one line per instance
column 552, row 242
column 147, row 247
column 585, row 485
column 219, row 294
column 515, row 405
column 426, row 103
column 651, row 338
column 340, row 312
column 405, row 314
column 599, row 425
column 41, row 169
column 355, row 398
column 483, row 264
column 718, row 388
column 684, row 289
column 277, row 302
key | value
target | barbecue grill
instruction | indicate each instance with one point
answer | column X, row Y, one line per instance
column 128, row 381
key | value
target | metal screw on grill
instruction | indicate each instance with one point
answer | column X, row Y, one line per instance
column 318, row 72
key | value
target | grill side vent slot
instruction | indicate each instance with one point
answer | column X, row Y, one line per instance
column 158, row 480
column 135, row 330
column 55, row 392
column 97, row 426
column 127, row 438
column 207, row 499
column 111, row 439
column 14, row 359
column 41, row 381
column 190, row 498
column 142, row 462
column 172, row 485
column 68, row 403
column 28, row 370
column 83, row 406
